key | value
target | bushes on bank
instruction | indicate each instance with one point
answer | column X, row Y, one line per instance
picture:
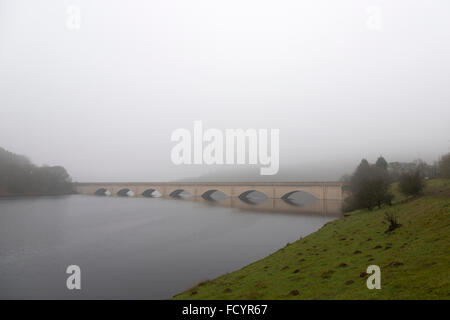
column 369, row 186
column 411, row 183
column 444, row 166
column 19, row 176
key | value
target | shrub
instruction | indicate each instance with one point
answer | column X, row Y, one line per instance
column 349, row 204
column 444, row 166
column 369, row 186
column 392, row 220
column 411, row 183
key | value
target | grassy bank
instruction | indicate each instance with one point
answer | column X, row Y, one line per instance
column 330, row 263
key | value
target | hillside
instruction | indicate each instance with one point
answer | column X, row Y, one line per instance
column 331, row 263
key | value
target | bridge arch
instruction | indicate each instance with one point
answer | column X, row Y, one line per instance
column 125, row 192
column 214, row 195
column 151, row 193
column 299, row 198
column 180, row 194
column 102, row 192
column 253, row 196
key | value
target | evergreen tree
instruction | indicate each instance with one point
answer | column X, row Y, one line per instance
column 369, row 186
column 381, row 163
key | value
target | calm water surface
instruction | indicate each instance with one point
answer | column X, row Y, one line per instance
column 133, row 247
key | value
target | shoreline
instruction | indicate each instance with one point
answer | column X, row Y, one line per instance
column 334, row 260
column 27, row 195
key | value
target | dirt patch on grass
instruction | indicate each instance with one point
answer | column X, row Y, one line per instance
column 294, row 293
column 394, row 264
column 326, row 274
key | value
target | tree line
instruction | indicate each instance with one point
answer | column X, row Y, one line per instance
column 369, row 185
column 19, row 176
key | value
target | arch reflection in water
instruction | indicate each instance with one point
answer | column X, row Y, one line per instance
column 329, row 208
column 214, row 195
column 299, row 198
column 253, row 197
column 125, row 192
column 102, row 192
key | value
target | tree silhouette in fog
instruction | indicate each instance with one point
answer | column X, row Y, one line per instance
column 18, row 175
column 381, row 163
column 369, row 186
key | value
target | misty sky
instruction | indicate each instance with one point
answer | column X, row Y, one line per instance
column 103, row 100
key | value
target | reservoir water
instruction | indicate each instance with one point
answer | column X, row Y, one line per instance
column 139, row 248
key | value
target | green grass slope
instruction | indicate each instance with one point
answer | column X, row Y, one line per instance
column 331, row 263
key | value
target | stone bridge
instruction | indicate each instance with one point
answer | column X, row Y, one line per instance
column 272, row 190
